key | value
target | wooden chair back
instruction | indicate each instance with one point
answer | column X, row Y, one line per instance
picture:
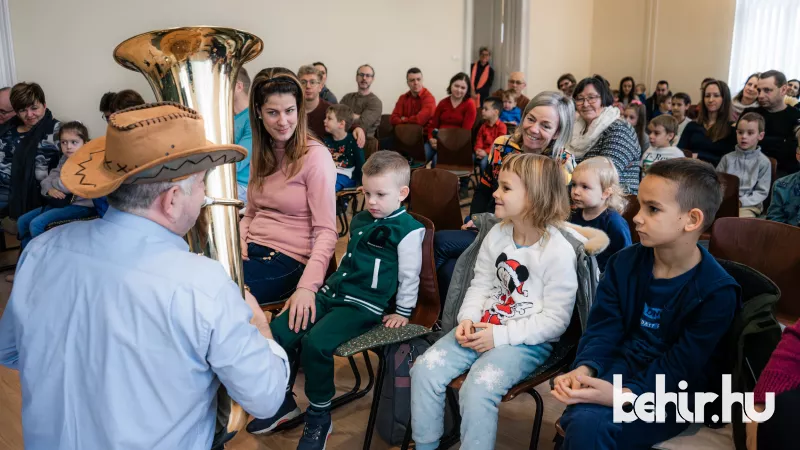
column 454, row 149
column 434, row 194
column 410, row 141
column 427, row 310
column 771, row 248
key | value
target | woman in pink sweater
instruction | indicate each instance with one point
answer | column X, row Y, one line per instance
column 288, row 233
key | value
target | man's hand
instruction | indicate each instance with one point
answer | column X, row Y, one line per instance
column 394, row 321
column 570, row 379
column 432, row 141
column 260, row 319
column 55, row 193
column 480, row 153
column 468, row 225
column 464, row 332
column 361, row 138
column 302, row 308
column 483, row 340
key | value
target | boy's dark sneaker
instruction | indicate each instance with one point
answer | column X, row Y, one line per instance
column 317, row 430
column 287, row 411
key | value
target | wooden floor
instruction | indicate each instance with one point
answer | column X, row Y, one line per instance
column 349, row 421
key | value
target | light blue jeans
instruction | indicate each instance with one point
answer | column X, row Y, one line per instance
column 491, row 375
column 35, row 222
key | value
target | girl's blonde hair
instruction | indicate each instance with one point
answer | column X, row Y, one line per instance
column 263, row 161
column 545, row 188
column 609, row 180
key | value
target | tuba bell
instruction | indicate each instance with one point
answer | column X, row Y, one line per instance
column 197, row 67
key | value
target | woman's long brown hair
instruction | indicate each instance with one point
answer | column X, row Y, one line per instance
column 271, row 81
column 721, row 128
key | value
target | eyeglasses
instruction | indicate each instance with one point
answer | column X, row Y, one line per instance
column 589, row 99
column 365, row 75
column 516, row 82
column 309, row 82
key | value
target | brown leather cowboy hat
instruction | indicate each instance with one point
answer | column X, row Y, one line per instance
column 145, row 144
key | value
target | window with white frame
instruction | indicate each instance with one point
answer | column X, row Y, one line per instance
column 766, row 35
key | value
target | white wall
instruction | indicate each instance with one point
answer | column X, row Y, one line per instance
column 66, row 45
column 560, row 40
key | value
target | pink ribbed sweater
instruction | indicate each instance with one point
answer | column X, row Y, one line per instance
column 297, row 216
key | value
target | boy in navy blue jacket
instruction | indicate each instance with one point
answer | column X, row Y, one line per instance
column 662, row 307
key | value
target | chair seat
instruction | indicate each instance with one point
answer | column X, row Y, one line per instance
column 347, row 192
column 558, row 359
column 461, row 173
column 272, row 307
column 380, row 336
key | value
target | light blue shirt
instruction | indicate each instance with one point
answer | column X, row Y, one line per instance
column 122, row 336
column 243, row 135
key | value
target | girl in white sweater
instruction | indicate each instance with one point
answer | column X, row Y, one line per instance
column 519, row 302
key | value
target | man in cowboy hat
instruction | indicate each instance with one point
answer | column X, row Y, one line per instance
column 120, row 334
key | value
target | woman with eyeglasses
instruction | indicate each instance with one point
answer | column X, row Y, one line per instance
column 28, row 150
column 600, row 131
column 711, row 135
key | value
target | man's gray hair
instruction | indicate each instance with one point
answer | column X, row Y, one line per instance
column 137, row 198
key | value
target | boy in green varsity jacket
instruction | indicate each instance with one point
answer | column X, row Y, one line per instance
column 382, row 262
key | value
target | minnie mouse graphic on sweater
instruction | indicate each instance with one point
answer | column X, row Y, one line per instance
column 512, row 275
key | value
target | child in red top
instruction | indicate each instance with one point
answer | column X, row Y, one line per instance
column 490, row 130
column 454, row 111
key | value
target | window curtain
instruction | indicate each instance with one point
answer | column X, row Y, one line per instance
column 8, row 71
column 766, row 36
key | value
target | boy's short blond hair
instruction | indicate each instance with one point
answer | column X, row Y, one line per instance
column 342, row 112
column 388, row 162
column 510, row 94
column 669, row 123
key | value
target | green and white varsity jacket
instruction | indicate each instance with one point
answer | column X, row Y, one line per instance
column 384, row 258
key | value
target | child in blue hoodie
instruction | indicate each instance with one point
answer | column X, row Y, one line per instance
column 662, row 307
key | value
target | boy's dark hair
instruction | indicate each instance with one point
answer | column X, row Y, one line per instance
column 699, row 185
column 780, row 78
column 105, row 101
column 494, row 103
column 388, row 161
column 244, row 77
column 76, row 127
column 24, row 95
column 600, row 85
column 663, row 98
column 684, row 97
column 669, row 123
column 413, row 70
column 342, row 112
column 126, row 99
column 753, row 117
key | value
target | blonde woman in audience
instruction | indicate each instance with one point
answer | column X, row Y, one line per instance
column 711, row 135
column 288, row 233
column 746, row 98
column 600, row 131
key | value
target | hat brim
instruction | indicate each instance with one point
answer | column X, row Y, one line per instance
column 87, row 175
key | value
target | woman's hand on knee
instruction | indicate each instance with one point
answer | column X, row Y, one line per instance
column 244, row 251
column 302, row 308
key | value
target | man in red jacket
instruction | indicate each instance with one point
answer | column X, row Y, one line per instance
column 415, row 106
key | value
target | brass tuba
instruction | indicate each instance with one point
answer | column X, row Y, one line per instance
column 197, row 67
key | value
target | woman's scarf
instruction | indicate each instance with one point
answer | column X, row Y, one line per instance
column 583, row 139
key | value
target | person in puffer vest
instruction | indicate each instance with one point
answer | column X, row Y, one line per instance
column 382, row 262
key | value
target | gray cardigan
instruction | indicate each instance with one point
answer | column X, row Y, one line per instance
column 754, row 171
column 53, row 181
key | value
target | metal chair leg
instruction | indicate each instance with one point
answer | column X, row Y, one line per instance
column 537, row 418
column 376, row 399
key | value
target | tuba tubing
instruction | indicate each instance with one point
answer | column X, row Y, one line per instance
column 197, row 67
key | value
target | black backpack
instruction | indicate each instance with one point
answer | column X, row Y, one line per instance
column 753, row 337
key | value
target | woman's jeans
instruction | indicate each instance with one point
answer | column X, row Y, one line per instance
column 430, row 154
column 491, row 375
column 271, row 276
column 448, row 245
column 35, row 222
